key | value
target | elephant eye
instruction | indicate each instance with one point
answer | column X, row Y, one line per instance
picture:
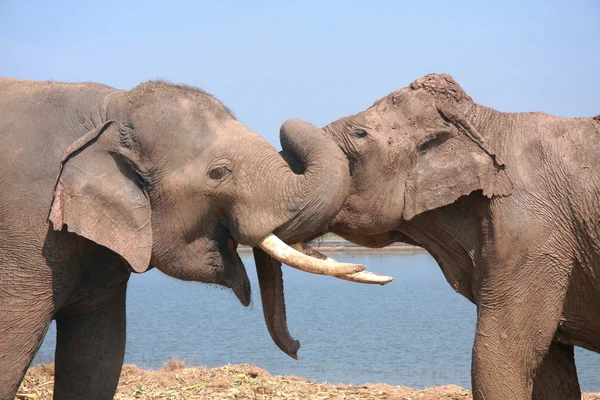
column 433, row 140
column 218, row 173
column 360, row 133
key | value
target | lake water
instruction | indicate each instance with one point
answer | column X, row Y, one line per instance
column 415, row 331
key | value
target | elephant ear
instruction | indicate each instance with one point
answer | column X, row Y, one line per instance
column 454, row 167
column 100, row 196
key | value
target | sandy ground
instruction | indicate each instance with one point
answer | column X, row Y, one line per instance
column 243, row 381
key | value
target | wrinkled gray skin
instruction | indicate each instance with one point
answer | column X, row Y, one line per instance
column 163, row 176
column 509, row 206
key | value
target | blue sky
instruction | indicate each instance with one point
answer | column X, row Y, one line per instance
column 316, row 60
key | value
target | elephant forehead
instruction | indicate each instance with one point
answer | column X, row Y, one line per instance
column 400, row 106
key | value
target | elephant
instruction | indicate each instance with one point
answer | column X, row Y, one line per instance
column 508, row 206
column 98, row 183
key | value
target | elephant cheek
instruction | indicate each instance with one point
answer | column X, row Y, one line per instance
column 378, row 212
column 209, row 262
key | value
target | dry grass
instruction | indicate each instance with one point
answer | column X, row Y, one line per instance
column 173, row 364
column 243, row 381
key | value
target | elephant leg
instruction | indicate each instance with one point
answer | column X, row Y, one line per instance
column 556, row 377
column 506, row 353
column 518, row 313
column 23, row 325
column 28, row 301
column 89, row 351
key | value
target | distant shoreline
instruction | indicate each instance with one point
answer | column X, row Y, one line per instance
column 343, row 247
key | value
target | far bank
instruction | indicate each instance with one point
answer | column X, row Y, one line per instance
column 333, row 244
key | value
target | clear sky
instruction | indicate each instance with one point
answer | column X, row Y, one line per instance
column 316, row 60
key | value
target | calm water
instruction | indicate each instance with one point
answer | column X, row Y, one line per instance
column 416, row 331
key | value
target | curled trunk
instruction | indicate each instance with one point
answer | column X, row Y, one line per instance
column 313, row 195
column 322, row 182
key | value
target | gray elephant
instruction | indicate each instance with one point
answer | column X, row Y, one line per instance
column 162, row 175
column 509, row 206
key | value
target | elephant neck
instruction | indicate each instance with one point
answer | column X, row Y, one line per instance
column 483, row 118
column 495, row 126
column 111, row 109
column 453, row 242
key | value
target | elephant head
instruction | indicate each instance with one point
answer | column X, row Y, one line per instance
column 412, row 151
column 173, row 180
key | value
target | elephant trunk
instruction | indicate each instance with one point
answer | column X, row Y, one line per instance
column 313, row 195
column 322, row 180
column 272, row 297
column 271, row 288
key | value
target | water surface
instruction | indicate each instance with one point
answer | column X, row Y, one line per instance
column 415, row 331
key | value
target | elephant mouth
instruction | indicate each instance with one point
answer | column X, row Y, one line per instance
column 299, row 256
column 232, row 244
column 229, row 262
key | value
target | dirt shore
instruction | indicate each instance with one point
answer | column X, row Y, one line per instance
column 242, row 381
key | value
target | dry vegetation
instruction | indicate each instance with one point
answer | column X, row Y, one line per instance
column 244, row 381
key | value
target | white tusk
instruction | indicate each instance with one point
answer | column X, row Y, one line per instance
column 367, row 277
column 280, row 251
column 359, row 277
